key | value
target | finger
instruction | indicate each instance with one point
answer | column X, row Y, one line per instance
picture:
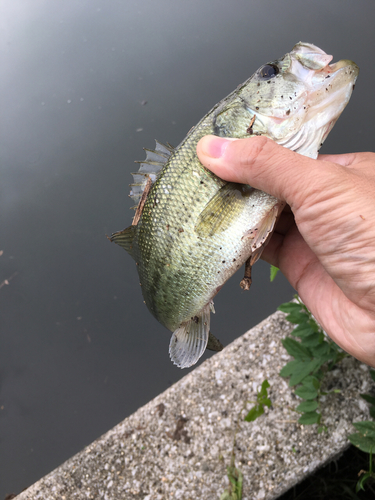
column 350, row 160
column 344, row 160
column 267, row 166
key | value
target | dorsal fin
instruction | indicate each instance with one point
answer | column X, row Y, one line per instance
column 125, row 238
column 149, row 168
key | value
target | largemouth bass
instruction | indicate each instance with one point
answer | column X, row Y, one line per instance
column 192, row 230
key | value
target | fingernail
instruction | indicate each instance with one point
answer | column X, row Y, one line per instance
column 215, row 147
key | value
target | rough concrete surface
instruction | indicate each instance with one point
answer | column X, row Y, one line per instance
column 179, row 445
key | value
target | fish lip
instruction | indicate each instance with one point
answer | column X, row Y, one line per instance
column 343, row 63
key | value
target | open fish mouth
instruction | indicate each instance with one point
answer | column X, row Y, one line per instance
column 306, row 95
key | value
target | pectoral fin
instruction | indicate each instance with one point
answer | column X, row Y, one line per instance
column 189, row 341
column 263, row 230
column 222, row 209
column 125, row 238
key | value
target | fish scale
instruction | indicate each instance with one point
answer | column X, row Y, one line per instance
column 194, row 229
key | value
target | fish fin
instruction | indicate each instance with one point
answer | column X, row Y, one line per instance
column 263, row 230
column 214, row 344
column 125, row 238
column 155, row 161
column 222, row 209
column 189, row 341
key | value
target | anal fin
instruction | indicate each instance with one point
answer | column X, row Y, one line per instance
column 189, row 341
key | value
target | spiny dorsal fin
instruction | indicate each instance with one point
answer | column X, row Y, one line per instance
column 125, row 238
column 150, row 168
column 189, row 341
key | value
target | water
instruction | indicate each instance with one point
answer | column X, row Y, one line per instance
column 79, row 351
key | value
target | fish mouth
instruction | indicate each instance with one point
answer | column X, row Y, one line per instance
column 344, row 63
column 324, row 104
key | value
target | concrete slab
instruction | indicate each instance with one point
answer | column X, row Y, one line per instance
column 179, row 445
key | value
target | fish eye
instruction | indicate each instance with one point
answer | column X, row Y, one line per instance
column 268, row 71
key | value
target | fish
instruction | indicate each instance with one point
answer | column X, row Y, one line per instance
column 192, row 230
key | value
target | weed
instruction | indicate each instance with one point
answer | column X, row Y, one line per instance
column 314, row 354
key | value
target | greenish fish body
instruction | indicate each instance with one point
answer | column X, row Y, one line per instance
column 195, row 230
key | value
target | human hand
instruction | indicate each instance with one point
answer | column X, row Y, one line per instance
column 325, row 243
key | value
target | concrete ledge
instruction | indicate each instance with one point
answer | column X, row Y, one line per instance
column 178, row 445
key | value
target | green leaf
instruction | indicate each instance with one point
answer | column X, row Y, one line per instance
column 372, row 411
column 362, row 482
column 309, row 418
column 289, row 307
column 295, row 349
column 314, row 325
column 254, row 413
column 368, row 398
column 366, row 428
column 306, row 392
column 322, row 350
column 307, row 406
column 372, row 373
column 289, row 368
column 297, row 317
column 273, row 271
column 309, row 367
column 263, row 389
column 364, row 443
column 262, row 396
column 302, row 330
column 313, row 340
column 312, row 382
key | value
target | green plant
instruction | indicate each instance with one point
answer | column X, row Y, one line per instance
column 314, row 354
column 262, row 401
column 273, row 271
column 234, row 490
column 364, row 439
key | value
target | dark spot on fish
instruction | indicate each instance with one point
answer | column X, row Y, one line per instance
column 328, row 76
column 223, row 261
column 234, row 260
column 288, row 112
column 195, row 319
column 326, row 89
column 180, row 230
column 290, row 98
column 353, row 86
column 257, row 108
column 258, row 84
column 221, row 248
column 201, row 182
column 247, row 377
column 282, row 97
column 167, row 227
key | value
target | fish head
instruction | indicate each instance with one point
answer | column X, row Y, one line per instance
column 298, row 98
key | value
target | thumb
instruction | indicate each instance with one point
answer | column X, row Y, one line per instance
column 265, row 165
